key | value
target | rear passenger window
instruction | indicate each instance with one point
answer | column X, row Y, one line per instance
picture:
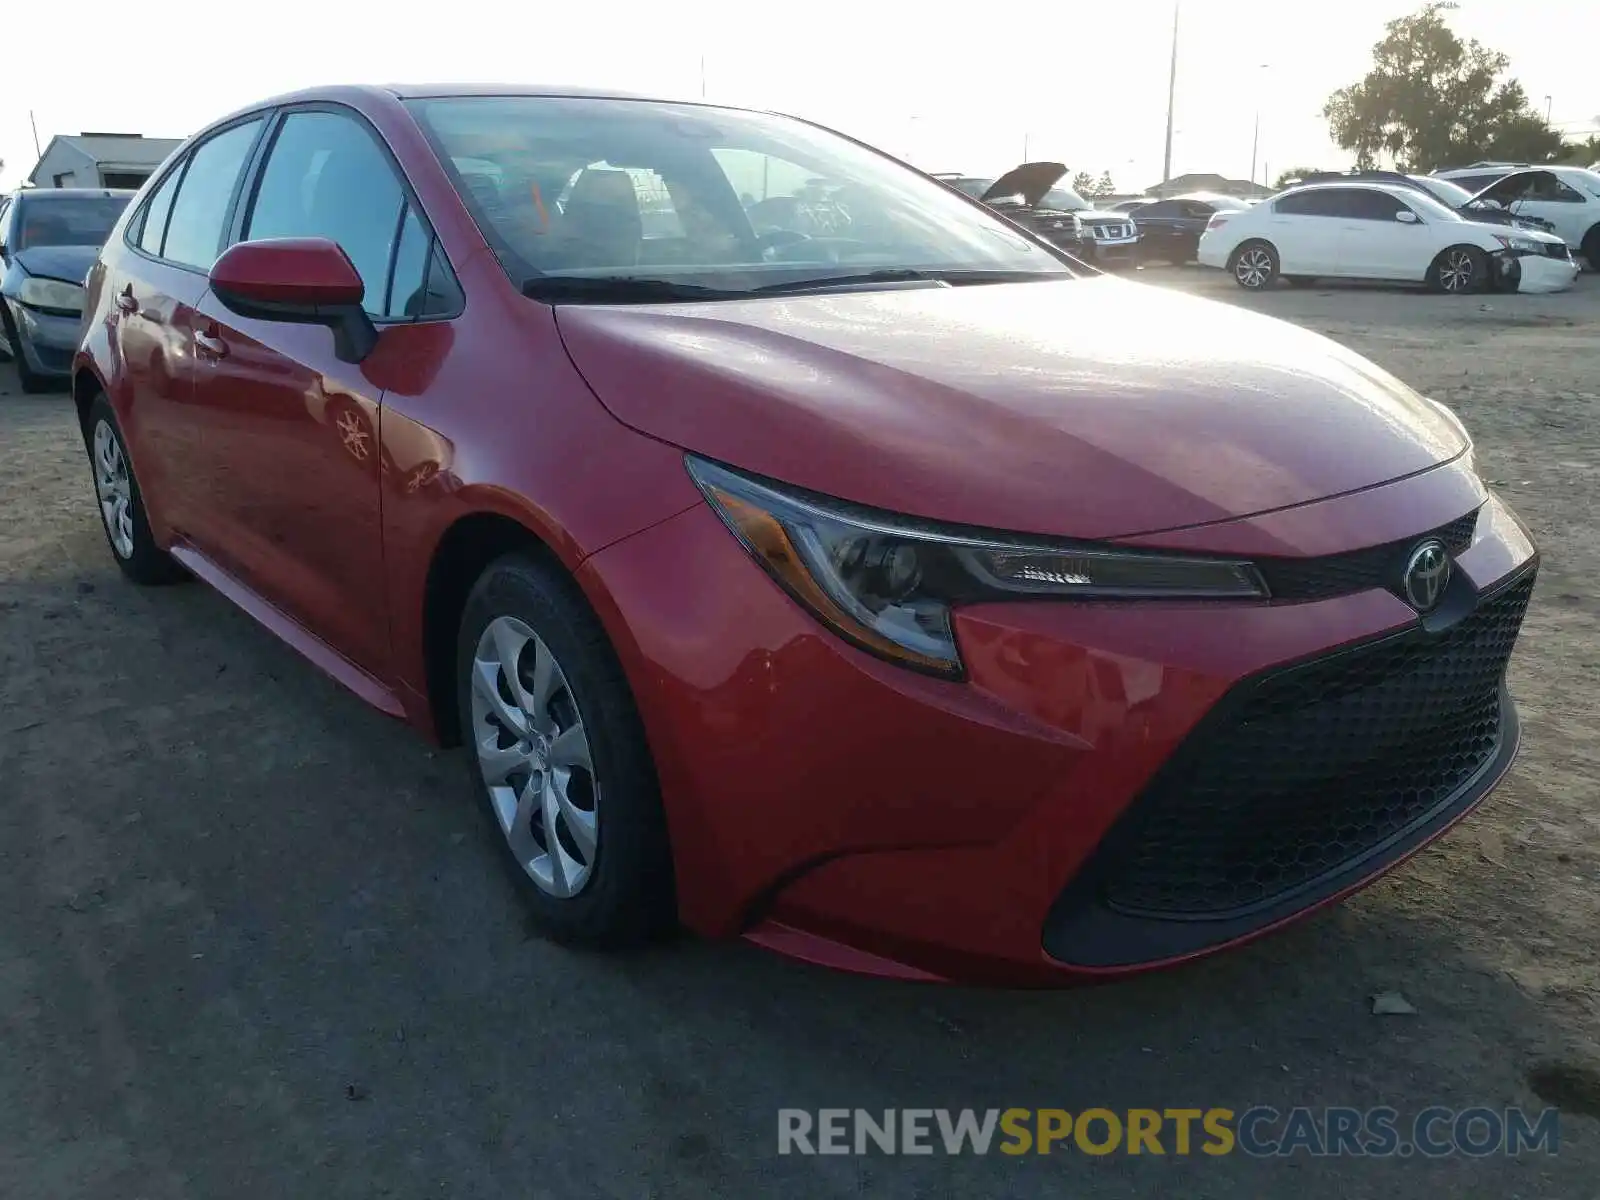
column 153, row 227
column 326, row 177
column 195, row 228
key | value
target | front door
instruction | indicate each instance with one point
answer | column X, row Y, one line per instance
column 293, row 429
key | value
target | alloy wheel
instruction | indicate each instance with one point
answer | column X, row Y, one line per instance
column 1457, row 272
column 534, row 754
column 1254, row 268
column 113, row 488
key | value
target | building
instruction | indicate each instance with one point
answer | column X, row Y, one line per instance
column 113, row 160
column 1182, row 185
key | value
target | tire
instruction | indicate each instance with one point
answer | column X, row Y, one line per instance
column 1591, row 248
column 32, row 382
column 609, row 884
column 1254, row 265
column 121, row 503
column 1459, row 271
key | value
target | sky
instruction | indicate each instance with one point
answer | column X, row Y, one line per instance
column 947, row 87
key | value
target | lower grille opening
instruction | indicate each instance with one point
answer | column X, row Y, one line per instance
column 1311, row 769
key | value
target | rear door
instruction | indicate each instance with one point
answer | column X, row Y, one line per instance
column 1305, row 228
column 294, row 429
column 158, row 278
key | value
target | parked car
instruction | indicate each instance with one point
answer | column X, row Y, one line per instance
column 1170, row 229
column 841, row 591
column 1446, row 192
column 1381, row 232
column 1032, row 196
column 48, row 241
column 1567, row 197
column 1131, row 206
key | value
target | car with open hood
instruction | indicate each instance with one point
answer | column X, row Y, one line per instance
column 48, row 241
column 1032, row 195
column 896, row 593
column 1568, row 198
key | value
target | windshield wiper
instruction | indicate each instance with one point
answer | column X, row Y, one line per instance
column 619, row 289
column 905, row 275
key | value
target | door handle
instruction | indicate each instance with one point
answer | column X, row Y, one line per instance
column 210, row 345
column 126, row 301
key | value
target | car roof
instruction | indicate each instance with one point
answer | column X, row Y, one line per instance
column 103, row 193
column 371, row 95
column 1371, row 185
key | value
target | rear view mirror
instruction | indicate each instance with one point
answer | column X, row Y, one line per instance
column 1406, row 217
column 306, row 281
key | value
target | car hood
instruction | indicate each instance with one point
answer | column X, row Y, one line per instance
column 67, row 263
column 1030, row 181
column 1045, row 408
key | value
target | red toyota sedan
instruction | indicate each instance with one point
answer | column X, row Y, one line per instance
column 799, row 549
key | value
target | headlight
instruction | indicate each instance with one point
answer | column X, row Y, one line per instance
column 51, row 293
column 1519, row 244
column 887, row 584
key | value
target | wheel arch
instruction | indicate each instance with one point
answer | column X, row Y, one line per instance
column 86, row 385
column 467, row 546
column 1591, row 240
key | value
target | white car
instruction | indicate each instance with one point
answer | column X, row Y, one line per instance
column 1567, row 197
column 1380, row 231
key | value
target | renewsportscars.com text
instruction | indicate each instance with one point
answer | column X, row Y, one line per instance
column 1260, row 1132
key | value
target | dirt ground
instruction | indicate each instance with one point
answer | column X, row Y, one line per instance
column 251, row 943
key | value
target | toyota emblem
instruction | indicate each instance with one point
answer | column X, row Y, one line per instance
column 1427, row 572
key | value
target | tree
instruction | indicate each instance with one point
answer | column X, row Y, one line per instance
column 1083, row 184
column 1105, row 186
column 1432, row 100
column 1296, row 173
column 1584, row 153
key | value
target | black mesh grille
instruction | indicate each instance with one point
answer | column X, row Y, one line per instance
column 1359, row 570
column 1557, row 250
column 1315, row 767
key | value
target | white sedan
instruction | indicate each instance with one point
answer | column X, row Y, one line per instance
column 1380, row 231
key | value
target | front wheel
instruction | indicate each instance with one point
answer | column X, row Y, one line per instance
column 1591, row 248
column 558, row 756
column 32, row 382
column 1459, row 270
column 1254, row 266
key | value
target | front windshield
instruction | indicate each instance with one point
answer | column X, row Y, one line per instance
column 1064, row 199
column 1429, row 208
column 67, row 220
column 1451, row 194
column 702, row 196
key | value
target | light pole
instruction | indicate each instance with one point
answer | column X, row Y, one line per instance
column 1255, row 141
column 1547, row 105
column 1172, row 92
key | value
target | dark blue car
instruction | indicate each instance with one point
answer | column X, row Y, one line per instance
column 49, row 238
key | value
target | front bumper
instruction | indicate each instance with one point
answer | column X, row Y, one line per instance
column 48, row 341
column 850, row 812
column 1533, row 275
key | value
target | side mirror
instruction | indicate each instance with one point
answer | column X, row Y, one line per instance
column 1406, row 217
column 304, row 281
